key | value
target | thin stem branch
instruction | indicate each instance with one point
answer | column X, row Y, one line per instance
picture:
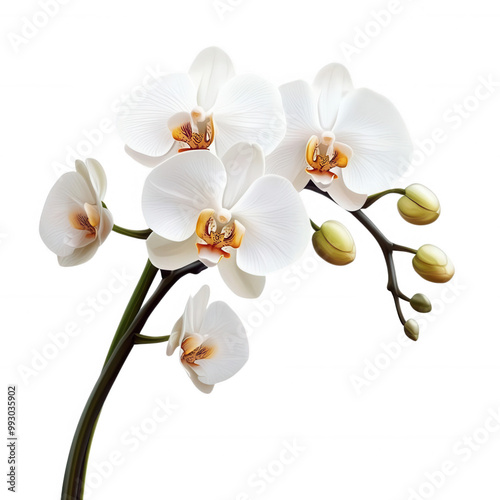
column 314, row 226
column 142, row 234
column 401, row 248
column 73, row 483
column 375, row 197
column 145, row 339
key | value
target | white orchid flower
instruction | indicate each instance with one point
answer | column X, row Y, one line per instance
column 213, row 341
column 208, row 105
column 226, row 213
column 348, row 141
column 74, row 223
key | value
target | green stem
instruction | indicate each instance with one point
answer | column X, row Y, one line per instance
column 314, row 226
column 142, row 234
column 144, row 339
column 133, row 307
column 401, row 248
column 375, row 197
column 73, row 480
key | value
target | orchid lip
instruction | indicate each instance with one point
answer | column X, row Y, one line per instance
column 321, row 177
column 194, row 350
column 195, row 129
column 210, row 255
column 87, row 220
column 217, row 232
column 325, row 154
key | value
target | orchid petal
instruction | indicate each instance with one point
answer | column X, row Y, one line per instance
column 105, row 226
column 374, row 129
column 97, row 176
column 170, row 255
column 191, row 320
column 68, row 195
column 176, row 336
column 211, row 69
column 223, row 330
column 342, row 195
column 244, row 164
column 180, row 327
column 205, row 388
column 276, row 224
column 289, row 158
column 331, row 84
column 239, row 282
column 248, row 109
column 178, row 190
column 143, row 122
column 79, row 255
column 200, row 303
column 153, row 161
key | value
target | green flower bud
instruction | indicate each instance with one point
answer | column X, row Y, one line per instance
column 421, row 303
column 432, row 264
column 419, row 205
column 334, row 243
column 411, row 329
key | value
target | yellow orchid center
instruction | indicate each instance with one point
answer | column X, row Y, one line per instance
column 194, row 351
column 217, row 233
column 87, row 220
column 322, row 155
column 198, row 133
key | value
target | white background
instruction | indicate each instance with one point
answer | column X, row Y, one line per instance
column 367, row 425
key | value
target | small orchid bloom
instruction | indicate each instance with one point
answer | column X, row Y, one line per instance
column 213, row 341
column 74, row 223
column 224, row 213
column 210, row 105
column 347, row 141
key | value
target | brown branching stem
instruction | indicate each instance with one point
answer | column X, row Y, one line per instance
column 388, row 248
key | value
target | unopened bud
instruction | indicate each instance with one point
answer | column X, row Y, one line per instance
column 419, row 205
column 432, row 264
column 421, row 303
column 334, row 243
column 411, row 329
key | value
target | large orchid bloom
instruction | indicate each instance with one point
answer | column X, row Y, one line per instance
column 213, row 341
column 210, row 105
column 348, row 141
column 226, row 213
column 74, row 223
